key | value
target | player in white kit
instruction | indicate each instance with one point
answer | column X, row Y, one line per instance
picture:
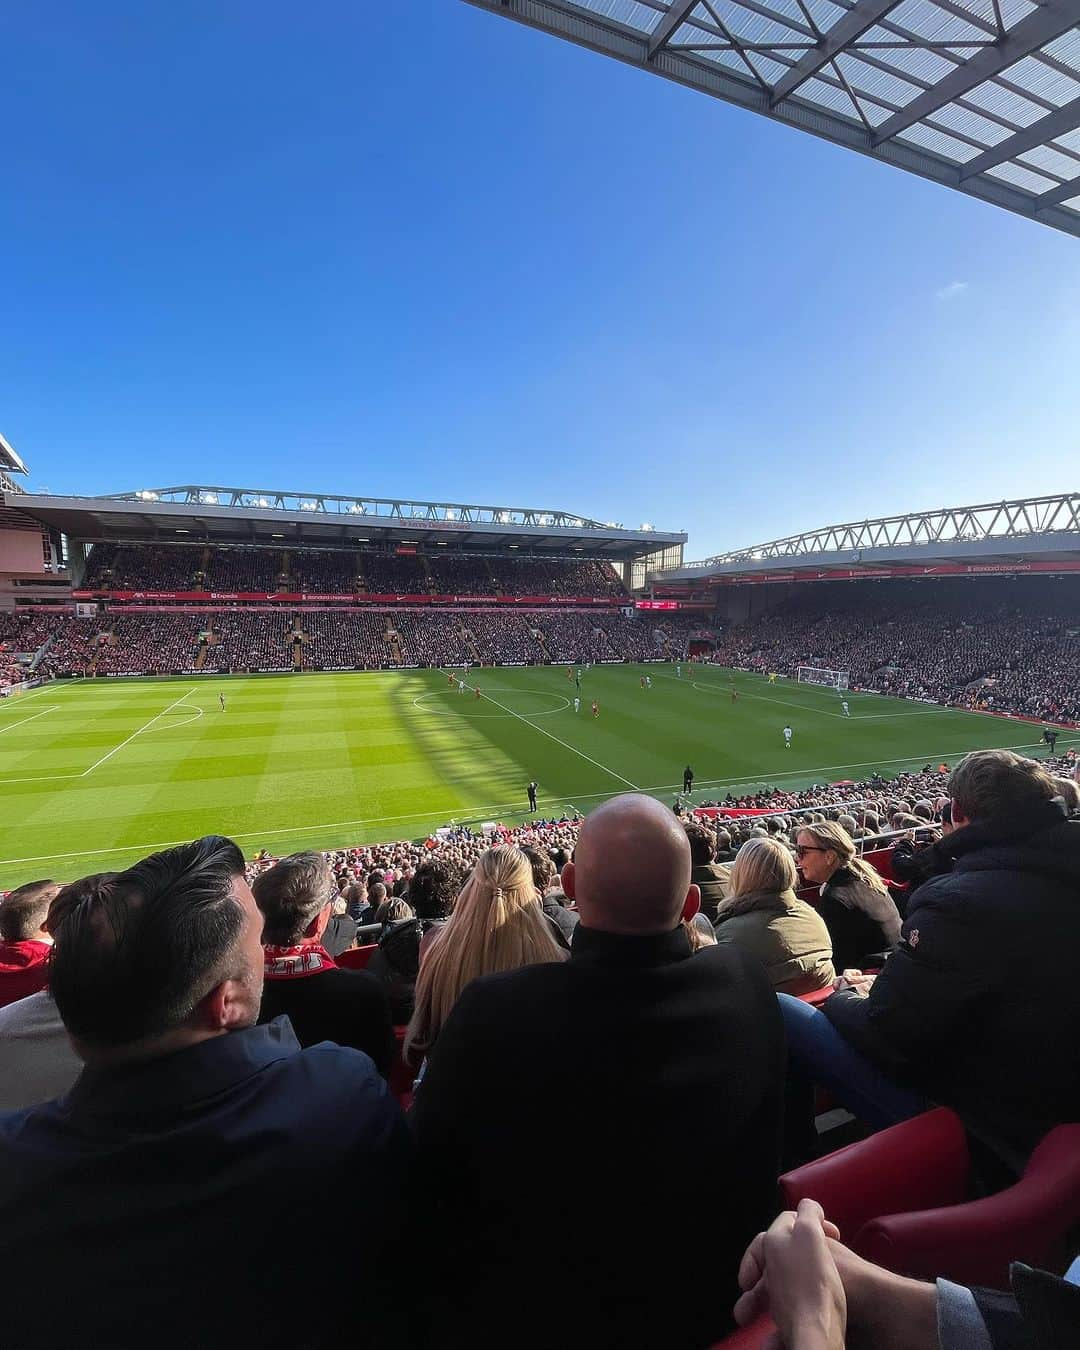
column 843, row 704
column 787, row 738
column 577, row 705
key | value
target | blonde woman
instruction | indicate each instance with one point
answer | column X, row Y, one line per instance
column 763, row 915
column 497, row 924
column 855, row 903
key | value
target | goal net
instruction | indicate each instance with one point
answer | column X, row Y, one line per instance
column 832, row 679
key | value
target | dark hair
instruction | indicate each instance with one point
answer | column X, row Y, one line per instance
column 135, row 952
column 393, row 911
column 722, row 839
column 560, row 858
column 989, row 784
column 431, row 891
column 702, row 843
column 23, row 911
column 376, row 893
column 291, row 894
column 946, row 813
column 543, row 869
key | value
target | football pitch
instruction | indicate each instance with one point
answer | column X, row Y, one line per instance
column 95, row 775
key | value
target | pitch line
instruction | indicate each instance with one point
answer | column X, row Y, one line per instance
column 558, row 739
column 8, row 726
column 146, row 727
column 18, row 699
column 476, row 810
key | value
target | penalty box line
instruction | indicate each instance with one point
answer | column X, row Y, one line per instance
column 57, row 777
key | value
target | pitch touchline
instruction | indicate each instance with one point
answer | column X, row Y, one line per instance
column 481, row 810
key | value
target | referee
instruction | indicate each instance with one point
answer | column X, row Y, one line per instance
column 532, row 798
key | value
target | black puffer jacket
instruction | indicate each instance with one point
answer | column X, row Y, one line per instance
column 979, row 1007
column 395, row 965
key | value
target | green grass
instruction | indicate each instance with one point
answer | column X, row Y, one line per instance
column 93, row 776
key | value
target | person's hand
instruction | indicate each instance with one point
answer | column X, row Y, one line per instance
column 856, row 981
column 791, row 1273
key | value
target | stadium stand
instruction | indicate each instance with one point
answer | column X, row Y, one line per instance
column 986, row 644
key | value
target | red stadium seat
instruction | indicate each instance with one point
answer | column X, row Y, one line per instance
column 898, row 1199
column 403, row 1074
column 357, row 957
column 817, row 996
column 748, row 1338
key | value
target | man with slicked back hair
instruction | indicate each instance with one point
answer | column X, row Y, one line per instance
column 174, row 1181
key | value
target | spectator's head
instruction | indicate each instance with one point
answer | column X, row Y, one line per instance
column 497, row 925
column 159, row 957
column 394, row 910
column 824, row 847
column 992, row 785
column 722, row 839
column 376, row 894
column 763, row 865
column 631, row 869
column 24, row 910
column 431, row 890
column 702, row 843
column 543, row 869
column 1069, row 793
column 295, row 897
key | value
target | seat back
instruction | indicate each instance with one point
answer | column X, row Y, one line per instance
column 917, row 1164
column 975, row 1243
column 356, row 958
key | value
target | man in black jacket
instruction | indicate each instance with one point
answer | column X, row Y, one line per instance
column 322, row 1002
column 636, row 1054
column 979, row 1007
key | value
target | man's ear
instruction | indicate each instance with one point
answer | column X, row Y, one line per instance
column 692, row 903
column 567, row 878
column 224, row 1007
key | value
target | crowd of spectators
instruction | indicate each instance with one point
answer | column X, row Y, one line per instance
column 621, row 986
column 151, row 642
column 199, row 567
column 997, row 646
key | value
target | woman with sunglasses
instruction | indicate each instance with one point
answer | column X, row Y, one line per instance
column 858, row 910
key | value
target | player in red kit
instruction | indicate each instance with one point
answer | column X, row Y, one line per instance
column 478, row 691
column 595, row 708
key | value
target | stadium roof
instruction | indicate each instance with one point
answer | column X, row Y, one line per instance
column 9, row 463
column 981, row 95
column 229, row 515
column 996, row 534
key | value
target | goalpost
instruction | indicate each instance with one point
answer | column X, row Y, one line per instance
column 831, row 679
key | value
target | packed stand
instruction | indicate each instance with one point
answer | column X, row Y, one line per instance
column 990, row 645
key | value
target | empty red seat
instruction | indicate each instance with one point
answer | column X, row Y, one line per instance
column 356, row 958
column 899, row 1199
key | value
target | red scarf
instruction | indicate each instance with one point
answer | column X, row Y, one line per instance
column 293, row 963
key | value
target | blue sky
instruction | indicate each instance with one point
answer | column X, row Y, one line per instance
column 413, row 249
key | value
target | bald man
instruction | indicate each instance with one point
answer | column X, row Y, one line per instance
column 614, row 1118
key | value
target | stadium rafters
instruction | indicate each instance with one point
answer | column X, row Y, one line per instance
column 980, row 95
column 995, row 521
column 393, row 508
column 200, row 513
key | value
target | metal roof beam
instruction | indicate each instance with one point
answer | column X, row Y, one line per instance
column 677, row 13
column 1040, row 27
column 1062, row 193
column 1066, row 118
column 855, row 22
